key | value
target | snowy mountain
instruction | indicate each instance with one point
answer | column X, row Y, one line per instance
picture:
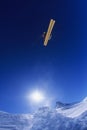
column 14, row 121
column 72, row 110
column 64, row 117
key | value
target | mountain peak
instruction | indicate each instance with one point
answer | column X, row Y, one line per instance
column 85, row 99
column 59, row 104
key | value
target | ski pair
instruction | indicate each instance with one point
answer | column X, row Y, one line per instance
column 49, row 31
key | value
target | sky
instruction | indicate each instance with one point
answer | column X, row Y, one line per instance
column 59, row 70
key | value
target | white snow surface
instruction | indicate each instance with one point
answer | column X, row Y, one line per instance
column 73, row 110
column 63, row 117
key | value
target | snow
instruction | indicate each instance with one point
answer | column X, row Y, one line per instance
column 74, row 110
column 85, row 99
column 63, row 117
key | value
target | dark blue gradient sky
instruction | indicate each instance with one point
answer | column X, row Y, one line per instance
column 60, row 69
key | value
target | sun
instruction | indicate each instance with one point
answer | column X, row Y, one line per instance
column 37, row 96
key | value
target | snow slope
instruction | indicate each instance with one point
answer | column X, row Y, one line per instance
column 14, row 121
column 73, row 110
column 63, row 117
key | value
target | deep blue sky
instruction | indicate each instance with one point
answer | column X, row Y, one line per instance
column 60, row 69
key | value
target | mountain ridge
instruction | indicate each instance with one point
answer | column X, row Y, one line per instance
column 45, row 118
